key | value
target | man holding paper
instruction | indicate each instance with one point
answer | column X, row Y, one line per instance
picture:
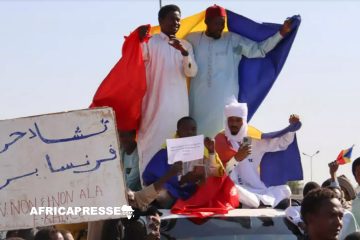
column 242, row 156
column 194, row 172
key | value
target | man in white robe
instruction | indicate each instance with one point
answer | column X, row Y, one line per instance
column 218, row 55
column 168, row 62
column 243, row 166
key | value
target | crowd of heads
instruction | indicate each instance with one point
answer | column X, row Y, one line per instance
column 44, row 233
column 323, row 207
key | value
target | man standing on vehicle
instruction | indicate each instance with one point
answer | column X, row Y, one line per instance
column 218, row 55
column 168, row 62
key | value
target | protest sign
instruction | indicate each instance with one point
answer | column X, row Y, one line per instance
column 68, row 159
column 185, row 149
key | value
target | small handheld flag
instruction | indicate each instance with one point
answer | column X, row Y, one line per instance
column 344, row 156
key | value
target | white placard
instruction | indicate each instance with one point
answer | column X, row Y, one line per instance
column 68, row 159
column 185, row 149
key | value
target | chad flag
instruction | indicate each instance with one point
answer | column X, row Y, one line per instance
column 344, row 156
column 125, row 85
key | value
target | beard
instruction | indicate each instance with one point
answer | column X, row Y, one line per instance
column 216, row 36
column 234, row 132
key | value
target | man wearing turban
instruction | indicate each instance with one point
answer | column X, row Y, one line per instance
column 242, row 160
column 218, row 55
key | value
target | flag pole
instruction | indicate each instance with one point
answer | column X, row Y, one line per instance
column 160, row 3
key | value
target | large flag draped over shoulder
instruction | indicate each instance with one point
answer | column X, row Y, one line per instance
column 124, row 87
column 257, row 75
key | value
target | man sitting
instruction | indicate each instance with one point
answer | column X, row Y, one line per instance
column 242, row 160
column 185, row 186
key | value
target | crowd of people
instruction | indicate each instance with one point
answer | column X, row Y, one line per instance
column 329, row 211
column 234, row 150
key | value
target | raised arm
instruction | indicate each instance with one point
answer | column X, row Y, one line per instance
column 282, row 142
column 144, row 31
column 215, row 166
column 189, row 65
column 333, row 167
column 253, row 49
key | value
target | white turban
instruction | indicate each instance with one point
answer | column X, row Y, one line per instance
column 236, row 109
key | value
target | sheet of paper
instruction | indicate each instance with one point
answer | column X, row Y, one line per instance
column 185, row 149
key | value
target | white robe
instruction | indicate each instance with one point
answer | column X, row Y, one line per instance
column 217, row 78
column 355, row 208
column 166, row 98
column 357, row 189
column 246, row 177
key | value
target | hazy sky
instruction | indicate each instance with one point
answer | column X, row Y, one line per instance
column 54, row 55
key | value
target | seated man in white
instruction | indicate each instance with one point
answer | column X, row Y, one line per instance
column 242, row 160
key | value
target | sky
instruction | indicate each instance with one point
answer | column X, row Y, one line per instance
column 54, row 54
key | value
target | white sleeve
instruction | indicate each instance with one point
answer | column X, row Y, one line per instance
column 276, row 144
column 349, row 225
column 189, row 64
column 293, row 215
column 230, row 165
column 145, row 51
column 253, row 49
